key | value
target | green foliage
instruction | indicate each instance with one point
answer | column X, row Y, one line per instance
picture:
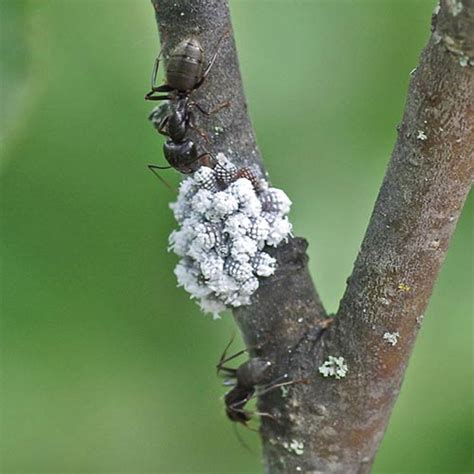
column 106, row 365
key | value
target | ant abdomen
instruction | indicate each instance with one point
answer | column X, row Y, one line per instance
column 185, row 65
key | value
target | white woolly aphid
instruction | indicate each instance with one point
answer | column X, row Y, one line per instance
column 222, row 235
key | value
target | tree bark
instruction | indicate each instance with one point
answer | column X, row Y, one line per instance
column 328, row 424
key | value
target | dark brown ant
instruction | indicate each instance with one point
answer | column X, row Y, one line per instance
column 185, row 72
column 252, row 374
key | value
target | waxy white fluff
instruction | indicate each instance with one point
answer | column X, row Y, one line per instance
column 222, row 234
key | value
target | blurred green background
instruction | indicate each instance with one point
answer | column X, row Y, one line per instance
column 108, row 367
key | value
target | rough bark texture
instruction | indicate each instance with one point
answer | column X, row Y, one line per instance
column 329, row 425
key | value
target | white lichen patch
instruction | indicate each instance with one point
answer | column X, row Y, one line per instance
column 224, row 226
column 421, row 135
column 419, row 319
column 464, row 60
column 294, row 446
column 391, row 337
column 454, row 6
column 334, row 367
column 284, row 391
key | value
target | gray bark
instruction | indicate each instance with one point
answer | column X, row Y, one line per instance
column 326, row 424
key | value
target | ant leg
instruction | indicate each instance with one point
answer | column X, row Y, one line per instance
column 224, row 352
column 157, row 167
column 162, row 127
column 228, row 371
column 251, row 413
column 207, row 161
column 208, row 113
column 198, row 158
column 153, row 169
column 248, row 427
column 230, row 382
column 191, row 170
column 211, row 62
column 274, row 386
column 265, row 415
column 193, row 125
column 150, row 96
column 154, row 72
column 163, row 88
column 233, row 356
column 154, row 87
column 220, row 366
column 216, row 163
column 241, row 441
column 224, row 358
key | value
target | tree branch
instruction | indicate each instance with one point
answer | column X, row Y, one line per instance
column 209, row 19
column 330, row 425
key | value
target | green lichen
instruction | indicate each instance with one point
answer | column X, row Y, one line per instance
column 464, row 60
column 404, row 287
column 294, row 446
column 421, row 135
column 334, row 367
column 455, row 7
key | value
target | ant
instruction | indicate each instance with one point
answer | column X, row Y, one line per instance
column 252, row 374
column 185, row 72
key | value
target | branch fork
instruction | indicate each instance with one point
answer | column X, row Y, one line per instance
column 336, row 423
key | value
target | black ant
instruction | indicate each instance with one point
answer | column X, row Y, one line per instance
column 185, row 72
column 252, row 374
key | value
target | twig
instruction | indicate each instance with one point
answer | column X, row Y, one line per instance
column 335, row 424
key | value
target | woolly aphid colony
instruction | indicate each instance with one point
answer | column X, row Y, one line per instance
column 224, row 225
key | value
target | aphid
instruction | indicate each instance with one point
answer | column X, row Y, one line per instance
column 185, row 72
column 209, row 236
column 249, row 286
column 274, row 200
column 240, row 271
column 251, row 175
column 263, row 264
column 226, row 174
column 206, row 179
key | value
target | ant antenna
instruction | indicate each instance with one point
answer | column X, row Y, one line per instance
column 153, row 169
column 241, row 440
